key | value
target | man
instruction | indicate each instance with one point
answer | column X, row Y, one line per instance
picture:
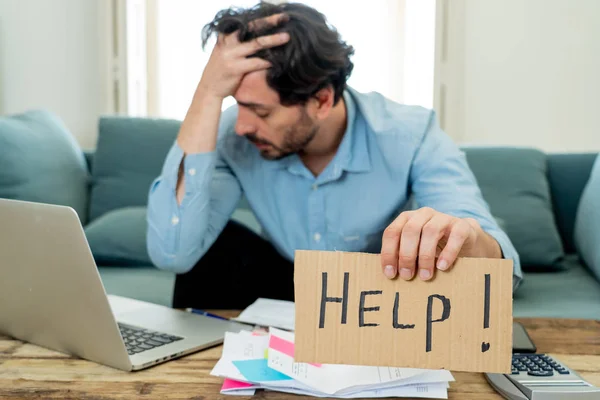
column 321, row 165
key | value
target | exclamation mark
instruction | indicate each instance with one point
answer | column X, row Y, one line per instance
column 486, row 311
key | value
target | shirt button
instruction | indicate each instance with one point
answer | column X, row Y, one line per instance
column 175, row 220
column 317, row 237
column 192, row 171
column 315, row 186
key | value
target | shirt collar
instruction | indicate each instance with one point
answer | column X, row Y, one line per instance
column 352, row 154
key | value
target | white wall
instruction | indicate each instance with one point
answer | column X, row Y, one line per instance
column 53, row 54
column 531, row 74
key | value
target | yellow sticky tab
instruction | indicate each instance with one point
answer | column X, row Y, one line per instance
column 266, row 353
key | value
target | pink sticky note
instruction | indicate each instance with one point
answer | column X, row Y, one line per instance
column 231, row 384
column 284, row 346
column 281, row 345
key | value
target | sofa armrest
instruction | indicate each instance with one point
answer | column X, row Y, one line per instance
column 568, row 174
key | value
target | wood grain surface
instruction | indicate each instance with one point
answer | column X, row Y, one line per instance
column 32, row 372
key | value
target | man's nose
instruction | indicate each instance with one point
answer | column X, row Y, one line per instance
column 243, row 130
column 243, row 125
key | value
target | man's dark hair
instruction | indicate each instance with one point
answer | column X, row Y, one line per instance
column 313, row 58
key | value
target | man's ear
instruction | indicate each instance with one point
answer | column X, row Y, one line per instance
column 322, row 102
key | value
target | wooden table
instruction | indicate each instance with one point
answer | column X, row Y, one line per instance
column 31, row 372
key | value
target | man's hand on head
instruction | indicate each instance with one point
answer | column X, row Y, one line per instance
column 230, row 59
column 419, row 242
column 229, row 62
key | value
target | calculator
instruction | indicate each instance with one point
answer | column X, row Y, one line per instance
column 539, row 376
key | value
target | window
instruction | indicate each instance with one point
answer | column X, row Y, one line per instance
column 393, row 41
column 180, row 58
column 394, row 45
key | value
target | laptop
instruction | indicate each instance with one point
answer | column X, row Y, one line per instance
column 51, row 295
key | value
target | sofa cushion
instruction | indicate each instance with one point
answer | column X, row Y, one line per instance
column 119, row 237
column 587, row 223
column 129, row 154
column 513, row 181
column 140, row 283
column 40, row 161
column 571, row 293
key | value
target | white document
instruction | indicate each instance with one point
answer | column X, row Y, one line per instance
column 430, row 390
column 390, row 382
column 345, row 379
column 425, row 390
column 269, row 312
column 239, row 346
column 239, row 392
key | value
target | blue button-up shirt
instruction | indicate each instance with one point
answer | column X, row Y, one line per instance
column 390, row 154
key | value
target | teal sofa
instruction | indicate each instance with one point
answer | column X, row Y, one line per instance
column 533, row 195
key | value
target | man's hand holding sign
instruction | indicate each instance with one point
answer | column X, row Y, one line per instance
column 416, row 239
column 347, row 312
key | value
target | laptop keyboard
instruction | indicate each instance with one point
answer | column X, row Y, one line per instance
column 139, row 339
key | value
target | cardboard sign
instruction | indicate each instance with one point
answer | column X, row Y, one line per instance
column 348, row 312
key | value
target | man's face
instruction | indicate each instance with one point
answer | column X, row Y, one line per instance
column 277, row 131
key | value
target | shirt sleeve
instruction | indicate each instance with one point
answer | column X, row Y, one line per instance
column 178, row 235
column 441, row 179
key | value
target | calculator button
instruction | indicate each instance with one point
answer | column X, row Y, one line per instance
column 540, row 373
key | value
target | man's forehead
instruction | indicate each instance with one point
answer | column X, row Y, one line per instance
column 254, row 89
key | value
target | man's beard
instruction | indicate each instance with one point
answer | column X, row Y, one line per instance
column 295, row 139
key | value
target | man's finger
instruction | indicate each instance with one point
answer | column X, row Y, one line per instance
column 228, row 39
column 252, row 64
column 459, row 234
column 271, row 20
column 221, row 39
column 390, row 243
column 432, row 232
column 260, row 43
column 409, row 242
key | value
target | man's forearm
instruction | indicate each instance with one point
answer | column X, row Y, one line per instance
column 198, row 132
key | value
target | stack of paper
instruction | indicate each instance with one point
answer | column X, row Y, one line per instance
column 253, row 360
column 269, row 312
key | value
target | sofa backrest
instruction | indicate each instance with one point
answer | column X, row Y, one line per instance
column 567, row 175
column 131, row 151
column 129, row 155
column 535, row 196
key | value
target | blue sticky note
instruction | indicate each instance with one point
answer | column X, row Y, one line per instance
column 258, row 371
